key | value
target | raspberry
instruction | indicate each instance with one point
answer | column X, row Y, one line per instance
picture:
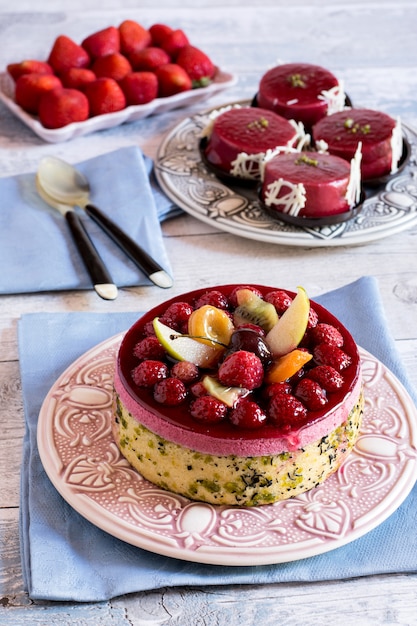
column 324, row 354
column 329, row 378
column 233, row 298
column 241, row 369
column 286, row 411
column 313, row 318
column 149, row 372
column 214, row 298
column 247, row 414
column 311, row 394
column 185, row 371
column 149, row 348
column 326, row 333
column 198, row 389
column 176, row 315
column 257, row 329
column 280, row 299
column 208, row 409
column 170, row 392
column 275, row 388
column 148, row 329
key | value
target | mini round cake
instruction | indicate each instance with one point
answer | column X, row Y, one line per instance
column 237, row 395
column 301, row 91
column 379, row 134
column 239, row 138
column 310, row 184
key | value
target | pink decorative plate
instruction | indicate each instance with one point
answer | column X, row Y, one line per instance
column 79, row 455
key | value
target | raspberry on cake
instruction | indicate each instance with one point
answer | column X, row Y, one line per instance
column 239, row 139
column 311, row 184
column 221, row 431
column 301, row 91
column 379, row 134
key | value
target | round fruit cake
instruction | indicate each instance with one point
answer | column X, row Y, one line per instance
column 379, row 134
column 310, row 184
column 301, row 91
column 238, row 139
column 237, row 395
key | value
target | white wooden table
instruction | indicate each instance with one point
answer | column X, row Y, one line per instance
column 372, row 46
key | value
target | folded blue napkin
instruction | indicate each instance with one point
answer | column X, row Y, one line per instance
column 37, row 252
column 65, row 557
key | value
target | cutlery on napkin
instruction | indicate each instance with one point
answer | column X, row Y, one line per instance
column 46, row 258
column 93, row 565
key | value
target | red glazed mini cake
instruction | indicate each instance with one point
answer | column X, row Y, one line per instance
column 239, row 138
column 310, row 184
column 237, row 395
column 379, row 134
column 301, row 91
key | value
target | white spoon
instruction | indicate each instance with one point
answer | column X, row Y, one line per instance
column 102, row 281
column 67, row 185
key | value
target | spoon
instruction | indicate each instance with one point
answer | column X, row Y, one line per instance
column 65, row 184
column 102, row 281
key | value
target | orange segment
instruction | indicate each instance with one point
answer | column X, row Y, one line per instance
column 287, row 365
column 210, row 325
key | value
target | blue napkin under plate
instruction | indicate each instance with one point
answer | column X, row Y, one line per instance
column 37, row 252
column 65, row 557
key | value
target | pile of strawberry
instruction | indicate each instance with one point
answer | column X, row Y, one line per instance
column 287, row 404
column 111, row 69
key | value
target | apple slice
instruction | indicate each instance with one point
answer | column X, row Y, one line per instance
column 287, row 333
column 185, row 348
column 228, row 395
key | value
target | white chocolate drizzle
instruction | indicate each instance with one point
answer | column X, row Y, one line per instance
column 291, row 202
column 334, row 97
column 396, row 146
column 353, row 191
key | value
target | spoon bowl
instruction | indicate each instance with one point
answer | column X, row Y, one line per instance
column 64, row 183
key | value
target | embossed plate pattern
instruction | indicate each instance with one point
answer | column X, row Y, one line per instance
column 222, row 81
column 187, row 181
column 81, row 459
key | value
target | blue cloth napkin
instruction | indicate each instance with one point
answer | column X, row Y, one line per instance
column 65, row 557
column 37, row 252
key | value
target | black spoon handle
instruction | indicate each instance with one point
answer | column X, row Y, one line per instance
column 99, row 274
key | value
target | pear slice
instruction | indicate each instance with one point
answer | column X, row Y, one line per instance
column 291, row 326
column 185, row 348
column 228, row 395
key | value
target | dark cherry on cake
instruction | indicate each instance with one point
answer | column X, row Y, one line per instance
column 379, row 134
column 237, row 140
column 237, row 394
column 300, row 91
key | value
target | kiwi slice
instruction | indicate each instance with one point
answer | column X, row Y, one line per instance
column 252, row 309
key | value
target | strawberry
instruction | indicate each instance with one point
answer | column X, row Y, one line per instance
column 60, row 107
column 159, row 32
column 30, row 88
column 241, row 369
column 104, row 96
column 133, row 37
column 106, row 41
column 65, row 53
column 197, row 64
column 148, row 59
column 139, row 87
column 77, row 77
column 113, row 65
column 173, row 43
column 29, row 66
column 170, row 392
